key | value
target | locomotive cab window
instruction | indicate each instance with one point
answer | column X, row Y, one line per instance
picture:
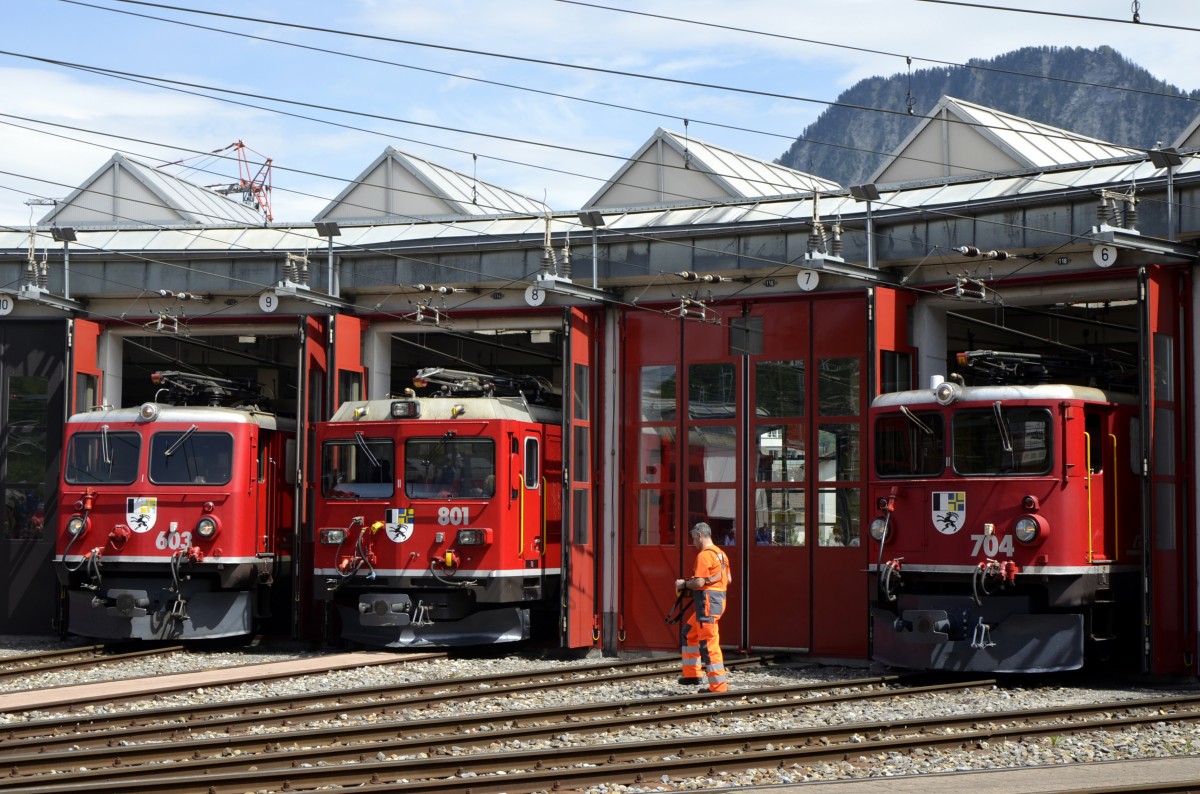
column 533, row 473
column 103, row 457
column 449, row 467
column 1002, row 440
column 910, row 444
column 188, row 457
column 357, row 467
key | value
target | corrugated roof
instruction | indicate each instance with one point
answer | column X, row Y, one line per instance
column 1018, row 143
column 730, row 175
column 917, row 195
column 398, row 185
column 109, row 198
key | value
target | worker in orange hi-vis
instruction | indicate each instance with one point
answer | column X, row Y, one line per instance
column 699, row 637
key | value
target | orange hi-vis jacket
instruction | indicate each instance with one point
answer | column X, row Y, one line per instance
column 712, row 566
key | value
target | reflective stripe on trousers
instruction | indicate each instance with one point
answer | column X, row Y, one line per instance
column 700, row 648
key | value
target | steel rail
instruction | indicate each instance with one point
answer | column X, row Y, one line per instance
column 614, row 763
column 18, row 737
column 408, row 737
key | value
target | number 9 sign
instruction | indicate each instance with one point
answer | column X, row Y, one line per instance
column 268, row 302
column 6, row 304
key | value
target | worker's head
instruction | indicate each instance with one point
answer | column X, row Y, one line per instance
column 700, row 534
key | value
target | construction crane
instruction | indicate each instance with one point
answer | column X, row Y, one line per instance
column 256, row 188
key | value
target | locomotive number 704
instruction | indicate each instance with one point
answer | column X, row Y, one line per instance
column 991, row 545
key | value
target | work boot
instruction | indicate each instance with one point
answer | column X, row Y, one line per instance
column 687, row 680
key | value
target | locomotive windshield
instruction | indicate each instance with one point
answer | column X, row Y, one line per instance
column 435, row 468
column 358, row 468
column 910, row 444
column 185, row 457
column 996, row 440
column 103, row 457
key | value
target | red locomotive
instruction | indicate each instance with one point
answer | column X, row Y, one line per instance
column 439, row 518
column 176, row 518
column 1007, row 521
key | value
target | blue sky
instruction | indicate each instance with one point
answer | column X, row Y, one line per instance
column 418, row 98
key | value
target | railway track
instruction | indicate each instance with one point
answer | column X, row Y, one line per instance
column 480, row 733
column 268, row 745
column 89, row 656
column 441, row 768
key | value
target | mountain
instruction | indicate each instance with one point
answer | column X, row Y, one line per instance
column 846, row 144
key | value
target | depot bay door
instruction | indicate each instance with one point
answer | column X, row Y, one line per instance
column 750, row 418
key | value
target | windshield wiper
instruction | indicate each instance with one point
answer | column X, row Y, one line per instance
column 105, row 449
column 366, row 448
column 912, row 417
column 1005, row 438
column 171, row 450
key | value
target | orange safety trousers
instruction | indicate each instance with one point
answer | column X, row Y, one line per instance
column 701, row 651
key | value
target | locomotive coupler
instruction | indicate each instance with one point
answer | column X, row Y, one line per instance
column 179, row 609
column 982, row 637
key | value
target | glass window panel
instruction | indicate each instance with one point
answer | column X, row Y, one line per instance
column 1013, row 441
column 837, row 517
column 581, row 455
column 358, row 468
column 780, row 453
column 349, row 386
column 196, row 458
column 779, row 388
column 910, row 445
column 102, row 457
column 25, row 433
column 838, row 453
column 24, row 512
column 1164, row 367
column 746, row 336
column 656, row 518
column 712, row 453
column 779, row 517
column 581, row 507
column 712, row 391
column 717, row 507
column 895, row 371
column 438, row 467
column 87, row 391
column 533, row 462
column 657, row 455
column 659, row 395
column 581, row 388
column 838, row 387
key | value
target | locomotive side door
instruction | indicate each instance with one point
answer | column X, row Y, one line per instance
column 579, row 598
column 1167, row 555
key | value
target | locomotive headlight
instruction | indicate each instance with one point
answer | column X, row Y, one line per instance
column 473, row 537
column 1031, row 529
column 148, row 412
column 406, row 409
column 332, row 537
column 206, row 527
column 880, row 529
column 946, row 393
column 76, row 526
